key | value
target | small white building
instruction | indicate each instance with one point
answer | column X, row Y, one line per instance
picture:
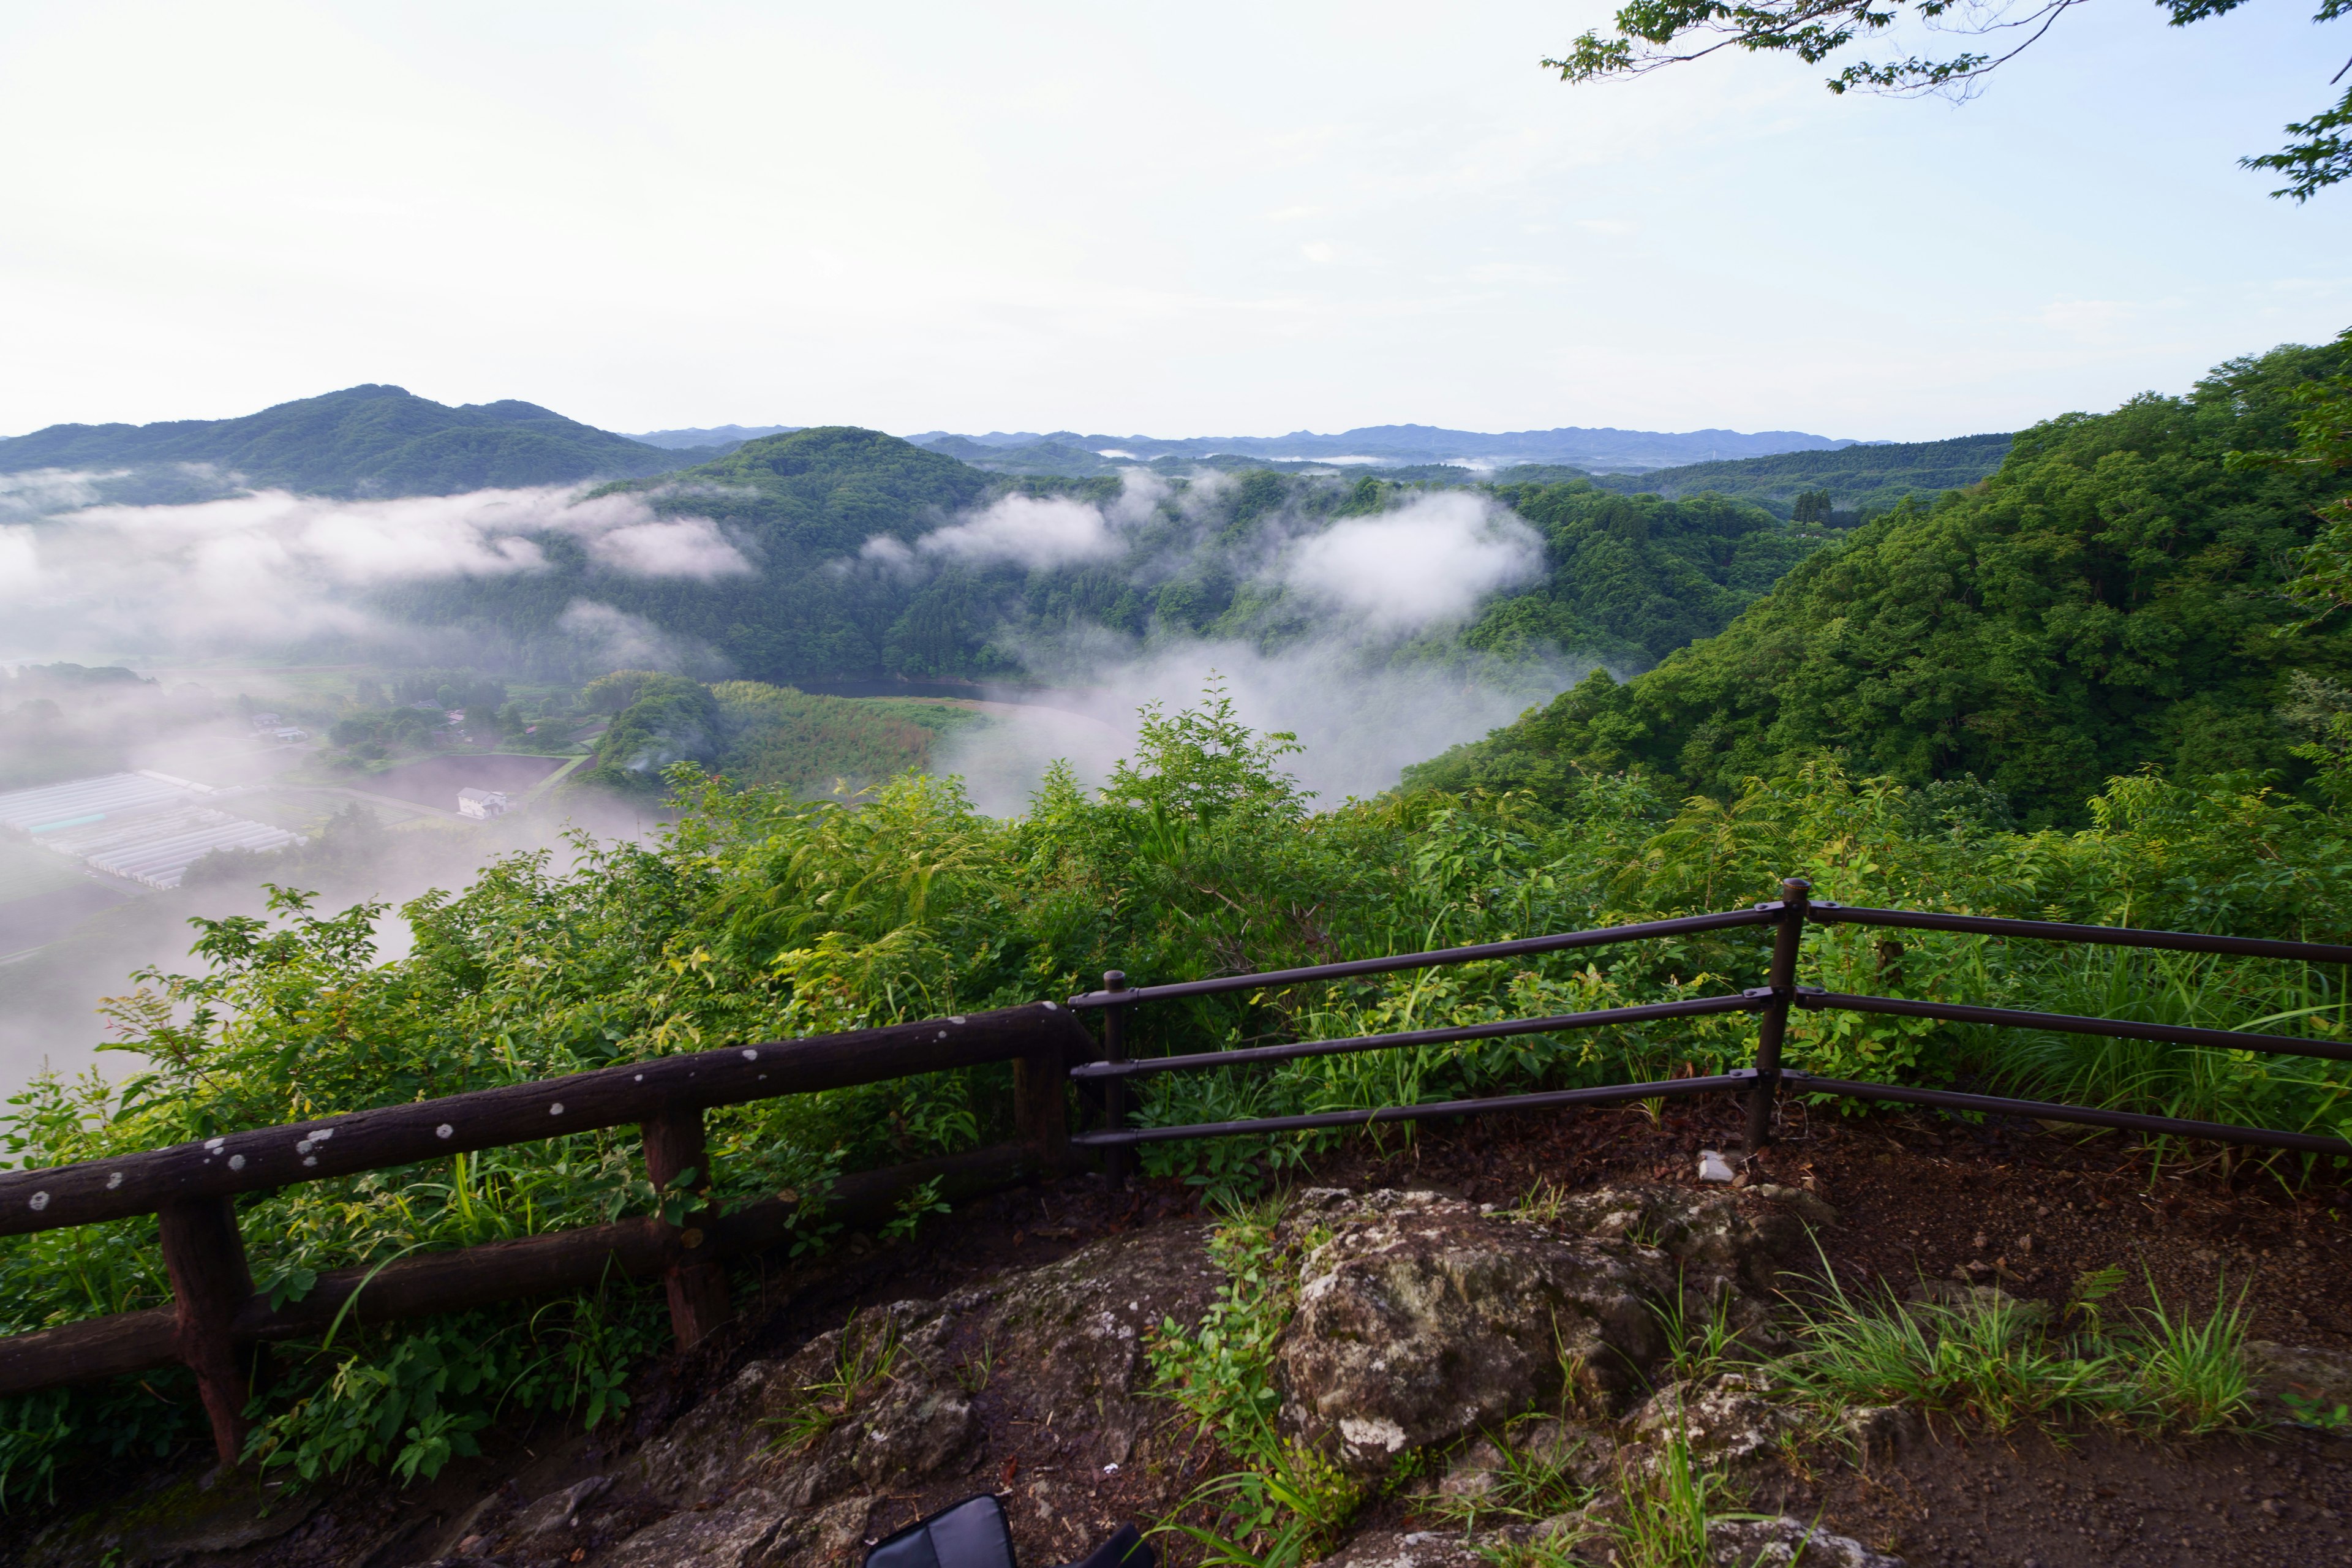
column 289, row 735
column 481, row 804
column 266, row 721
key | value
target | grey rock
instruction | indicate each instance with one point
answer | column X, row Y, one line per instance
column 1728, row 1420
column 1421, row 1320
column 1751, row 1543
column 559, row 1509
column 735, row 1535
column 1399, row 1549
column 1072, row 1334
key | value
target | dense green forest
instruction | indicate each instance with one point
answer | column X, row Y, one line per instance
column 363, row 441
column 2112, row 599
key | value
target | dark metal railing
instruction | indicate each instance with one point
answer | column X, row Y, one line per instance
column 1762, row 1083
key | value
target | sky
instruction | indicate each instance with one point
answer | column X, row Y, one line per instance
column 1209, row 219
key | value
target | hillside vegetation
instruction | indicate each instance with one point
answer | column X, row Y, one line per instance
column 2113, row 598
column 850, row 580
column 760, row 916
column 363, row 441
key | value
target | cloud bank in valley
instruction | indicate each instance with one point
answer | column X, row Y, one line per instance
column 268, row 567
column 1359, row 724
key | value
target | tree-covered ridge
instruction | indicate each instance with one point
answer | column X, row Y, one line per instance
column 1631, row 578
column 1861, row 480
column 2111, row 599
column 844, row 528
column 363, row 441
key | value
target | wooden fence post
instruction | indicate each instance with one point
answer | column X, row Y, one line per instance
column 205, row 1256
column 1040, row 1115
column 697, row 1286
column 1788, row 933
column 1117, row 1158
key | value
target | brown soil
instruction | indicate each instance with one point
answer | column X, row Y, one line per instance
column 1916, row 1194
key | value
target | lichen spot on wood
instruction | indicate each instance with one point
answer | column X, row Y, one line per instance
column 41, row 1201
column 445, row 1130
column 556, row 1110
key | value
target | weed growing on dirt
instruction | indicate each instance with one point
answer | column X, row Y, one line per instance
column 1996, row 1361
column 1284, row 1502
column 1534, row 1481
column 862, row 1362
column 1698, row 1344
column 1664, row 1512
column 2192, row 1378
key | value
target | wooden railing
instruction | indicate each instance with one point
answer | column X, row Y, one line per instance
column 216, row 1317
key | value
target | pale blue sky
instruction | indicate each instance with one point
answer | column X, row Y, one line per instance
column 1206, row 219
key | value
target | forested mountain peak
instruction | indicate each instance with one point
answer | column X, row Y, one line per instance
column 838, row 450
column 371, row 439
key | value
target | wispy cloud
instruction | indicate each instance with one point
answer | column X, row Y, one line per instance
column 1430, row 561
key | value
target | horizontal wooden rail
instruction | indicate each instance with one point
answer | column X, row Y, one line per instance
column 393, row 1135
column 453, row 1281
column 1521, row 947
column 2077, row 1115
column 1550, row 1099
column 2101, row 936
column 1694, row 1007
column 2072, row 1024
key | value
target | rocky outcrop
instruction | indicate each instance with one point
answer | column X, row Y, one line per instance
column 1422, row 1319
column 795, row 1462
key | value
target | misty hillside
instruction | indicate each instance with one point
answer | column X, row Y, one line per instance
column 839, row 552
column 363, row 441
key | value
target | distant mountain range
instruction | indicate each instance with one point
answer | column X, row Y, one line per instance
column 1601, row 450
column 713, row 436
column 363, row 441
column 377, row 440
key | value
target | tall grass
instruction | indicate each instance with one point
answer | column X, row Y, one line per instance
column 2001, row 1362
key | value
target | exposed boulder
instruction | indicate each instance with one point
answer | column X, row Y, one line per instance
column 1423, row 1318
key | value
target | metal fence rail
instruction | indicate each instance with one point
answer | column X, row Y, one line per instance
column 1764, row 1082
column 215, row 1319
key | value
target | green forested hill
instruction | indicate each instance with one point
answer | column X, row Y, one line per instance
column 1862, row 479
column 2109, row 600
column 363, row 440
column 832, row 519
column 1631, row 578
